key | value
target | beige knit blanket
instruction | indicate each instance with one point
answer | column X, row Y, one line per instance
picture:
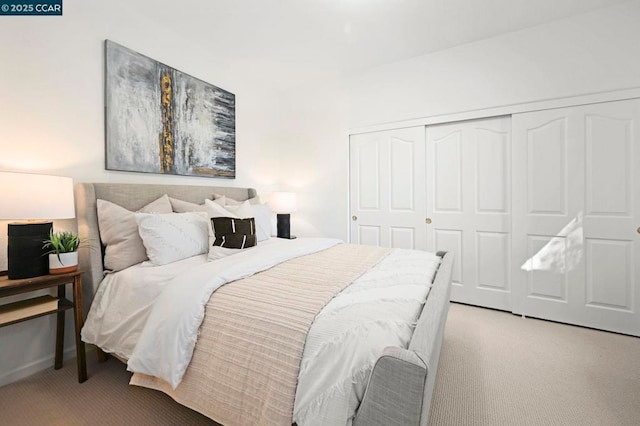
column 244, row 369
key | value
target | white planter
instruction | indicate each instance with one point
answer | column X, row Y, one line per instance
column 67, row 262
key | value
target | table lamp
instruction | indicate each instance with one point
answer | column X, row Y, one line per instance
column 36, row 199
column 284, row 203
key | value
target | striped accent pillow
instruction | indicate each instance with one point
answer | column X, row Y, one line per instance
column 234, row 233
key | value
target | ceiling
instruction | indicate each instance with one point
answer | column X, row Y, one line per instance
column 290, row 42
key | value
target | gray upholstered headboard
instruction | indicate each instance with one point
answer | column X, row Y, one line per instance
column 132, row 197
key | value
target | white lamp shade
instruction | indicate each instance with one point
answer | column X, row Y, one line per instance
column 283, row 202
column 27, row 196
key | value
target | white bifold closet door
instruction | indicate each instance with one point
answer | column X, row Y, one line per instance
column 469, row 208
column 387, row 188
column 576, row 215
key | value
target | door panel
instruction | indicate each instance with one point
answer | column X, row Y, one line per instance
column 402, row 175
column 369, row 235
column 402, row 237
column 493, row 252
column 387, row 188
column 608, row 145
column 468, row 199
column 548, row 274
column 368, row 176
column 492, row 171
column 547, row 168
column 609, row 276
column 447, row 166
column 575, row 214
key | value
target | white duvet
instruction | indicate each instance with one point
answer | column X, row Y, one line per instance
column 151, row 315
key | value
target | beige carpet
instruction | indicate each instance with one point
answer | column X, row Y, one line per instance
column 54, row 397
column 500, row 369
column 495, row 369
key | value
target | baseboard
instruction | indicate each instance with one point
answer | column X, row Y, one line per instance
column 35, row 366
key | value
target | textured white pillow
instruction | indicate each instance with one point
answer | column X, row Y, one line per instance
column 119, row 232
column 172, row 237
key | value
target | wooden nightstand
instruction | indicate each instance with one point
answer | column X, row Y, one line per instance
column 37, row 307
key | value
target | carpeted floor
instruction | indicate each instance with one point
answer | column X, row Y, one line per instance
column 495, row 369
column 499, row 369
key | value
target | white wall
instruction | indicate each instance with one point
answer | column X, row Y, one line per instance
column 590, row 53
column 51, row 108
column 51, row 120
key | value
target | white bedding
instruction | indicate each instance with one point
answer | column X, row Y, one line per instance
column 166, row 343
column 123, row 301
column 377, row 310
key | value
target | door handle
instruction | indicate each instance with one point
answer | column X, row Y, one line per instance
column 638, row 230
column 428, row 221
column 354, row 218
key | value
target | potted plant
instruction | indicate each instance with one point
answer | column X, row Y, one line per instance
column 63, row 251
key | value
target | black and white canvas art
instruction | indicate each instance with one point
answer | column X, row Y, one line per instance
column 161, row 120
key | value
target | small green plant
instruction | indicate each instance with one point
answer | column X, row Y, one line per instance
column 61, row 242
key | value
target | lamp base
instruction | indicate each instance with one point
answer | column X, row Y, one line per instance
column 284, row 226
column 25, row 255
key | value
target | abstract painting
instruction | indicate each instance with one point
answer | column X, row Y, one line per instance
column 161, row 120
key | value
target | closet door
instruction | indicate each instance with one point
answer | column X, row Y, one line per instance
column 576, row 212
column 468, row 206
column 387, row 187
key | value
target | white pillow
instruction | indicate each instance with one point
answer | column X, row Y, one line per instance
column 226, row 201
column 220, row 199
column 119, row 232
column 180, row 206
column 242, row 210
column 260, row 212
column 262, row 216
column 172, row 237
column 214, row 209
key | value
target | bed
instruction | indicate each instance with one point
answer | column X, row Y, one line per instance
column 396, row 390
